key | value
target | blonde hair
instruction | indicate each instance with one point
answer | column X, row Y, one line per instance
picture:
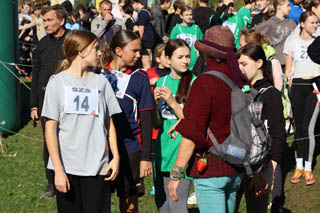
column 252, row 36
column 157, row 53
column 273, row 7
column 75, row 42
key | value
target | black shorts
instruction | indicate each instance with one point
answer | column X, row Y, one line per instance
column 128, row 181
column 146, row 45
column 86, row 194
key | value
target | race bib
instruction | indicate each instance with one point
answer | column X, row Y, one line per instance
column 122, row 82
column 188, row 38
column 231, row 26
column 301, row 53
column 81, row 100
column 166, row 111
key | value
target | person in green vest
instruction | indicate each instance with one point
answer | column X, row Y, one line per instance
column 170, row 94
column 240, row 21
column 188, row 31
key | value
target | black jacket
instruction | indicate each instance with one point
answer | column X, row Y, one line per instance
column 48, row 54
column 273, row 112
column 201, row 16
column 257, row 19
column 314, row 50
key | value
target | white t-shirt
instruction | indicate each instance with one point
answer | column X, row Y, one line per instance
column 117, row 14
column 302, row 65
column 81, row 106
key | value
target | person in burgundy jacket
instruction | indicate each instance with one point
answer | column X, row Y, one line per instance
column 209, row 103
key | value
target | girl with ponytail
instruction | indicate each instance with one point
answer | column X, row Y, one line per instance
column 78, row 108
column 252, row 36
column 313, row 7
column 302, row 73
column 253, row 64
column 133, row 125
column 146, row 31
column 170, row 94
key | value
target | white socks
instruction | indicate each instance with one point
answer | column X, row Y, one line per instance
column 307, row 166
column 299, row 162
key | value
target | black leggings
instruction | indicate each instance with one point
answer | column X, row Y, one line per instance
column 305, row 114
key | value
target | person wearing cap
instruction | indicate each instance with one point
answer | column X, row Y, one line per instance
column 210, row 98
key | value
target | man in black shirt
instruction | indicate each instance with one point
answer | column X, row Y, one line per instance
column 201, row 15
column 47, row 57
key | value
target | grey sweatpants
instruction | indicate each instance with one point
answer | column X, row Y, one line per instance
column 163, row 200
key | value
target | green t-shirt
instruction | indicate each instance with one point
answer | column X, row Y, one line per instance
column 190, row 34
column 237, row 22
column 166, row 148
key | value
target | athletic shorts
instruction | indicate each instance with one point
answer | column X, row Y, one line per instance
column 146, row 45
column 128, row 181
column 86, row 194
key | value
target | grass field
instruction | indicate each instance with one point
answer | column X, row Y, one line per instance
column 22, row 178
column 22, row 181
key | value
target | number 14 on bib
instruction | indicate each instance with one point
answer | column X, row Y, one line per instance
column 81, row 100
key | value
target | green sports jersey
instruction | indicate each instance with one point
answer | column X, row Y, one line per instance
column 166, row 148
column 237, row 22
column 190, row 34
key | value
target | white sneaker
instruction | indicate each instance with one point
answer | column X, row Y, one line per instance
column 192, row 200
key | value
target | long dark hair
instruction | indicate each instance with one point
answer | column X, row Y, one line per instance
column 184, row 83
column 120, row 39
column 256, row 52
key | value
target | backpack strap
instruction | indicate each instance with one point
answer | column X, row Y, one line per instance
column 223, row 77
column 218, row 147
column 248, row 169
column 164, row 80
column 232, row 85
column 261, row 91
column 212, row 138
column 180, row 28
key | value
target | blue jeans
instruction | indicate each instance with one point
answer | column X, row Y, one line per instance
column 217, row 194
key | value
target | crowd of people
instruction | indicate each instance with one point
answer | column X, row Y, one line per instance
column 124, row 93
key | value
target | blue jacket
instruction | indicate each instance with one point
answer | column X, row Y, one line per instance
column 295, row 12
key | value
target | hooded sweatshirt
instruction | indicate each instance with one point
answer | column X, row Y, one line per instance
column 277, row 31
